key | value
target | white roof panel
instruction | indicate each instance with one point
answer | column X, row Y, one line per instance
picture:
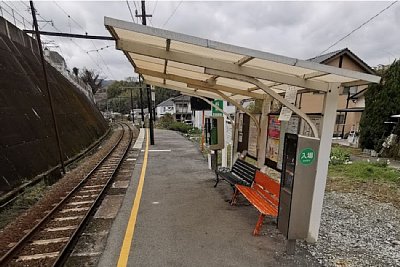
column 178, row 60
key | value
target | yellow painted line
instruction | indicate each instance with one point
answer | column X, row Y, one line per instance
column 130, row 229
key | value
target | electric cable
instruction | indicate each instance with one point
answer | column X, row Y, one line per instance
column 359, row 27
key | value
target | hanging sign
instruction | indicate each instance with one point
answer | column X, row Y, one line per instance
column 220, row 104
column 290, row 96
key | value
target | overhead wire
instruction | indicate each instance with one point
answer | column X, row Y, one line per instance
column 94, row 45
column 152, row 13
column 130, row 11
column 359, row 27
column 102, row 48
column 173, row 13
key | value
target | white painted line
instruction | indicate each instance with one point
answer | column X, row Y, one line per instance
column 139, row 141
column 50, row 241
column 56, row 229
column 38, row 256
column 130, row 159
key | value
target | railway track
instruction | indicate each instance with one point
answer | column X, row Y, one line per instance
column 50, row 240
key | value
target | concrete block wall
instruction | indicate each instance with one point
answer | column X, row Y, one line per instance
column 27, row 140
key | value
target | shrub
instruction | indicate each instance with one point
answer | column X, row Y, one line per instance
column 165, row 121
column 339, row 156
column 180, row 127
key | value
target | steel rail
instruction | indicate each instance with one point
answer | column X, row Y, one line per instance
column 75, row 236
column 14, row 250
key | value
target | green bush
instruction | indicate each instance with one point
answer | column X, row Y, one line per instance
column 165, row 121
column 180, row 127
column 339, row 156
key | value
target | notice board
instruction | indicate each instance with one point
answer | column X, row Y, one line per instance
column 253, row 137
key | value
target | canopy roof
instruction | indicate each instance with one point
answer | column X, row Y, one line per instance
column 209, row 68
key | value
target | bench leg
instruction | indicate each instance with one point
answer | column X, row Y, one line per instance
column 217, row 180
column 235, row 194
column 259, row 224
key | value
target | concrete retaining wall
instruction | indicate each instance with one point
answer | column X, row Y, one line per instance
column 27, row 140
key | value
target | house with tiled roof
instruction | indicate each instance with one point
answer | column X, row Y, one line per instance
column 351, row 102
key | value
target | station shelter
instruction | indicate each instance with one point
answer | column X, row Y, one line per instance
column 213, row 70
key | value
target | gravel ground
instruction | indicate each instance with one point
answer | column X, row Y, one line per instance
column 357, row 231
column 15, row 230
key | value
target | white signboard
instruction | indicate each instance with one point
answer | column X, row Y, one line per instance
column 253, row 134
column 290, row 96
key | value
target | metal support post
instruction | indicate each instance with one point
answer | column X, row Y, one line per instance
column 141, row 100
column 132, row 112
column 151, row 114
column 224, row 151
column 328, row 124
column 60, row 153
column 203, row 120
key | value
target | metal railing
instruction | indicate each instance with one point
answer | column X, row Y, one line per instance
column 10, row 14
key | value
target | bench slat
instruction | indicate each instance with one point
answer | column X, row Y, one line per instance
column 267, row 183
column 257, row 201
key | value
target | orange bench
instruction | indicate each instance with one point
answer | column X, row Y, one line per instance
column 263, row 195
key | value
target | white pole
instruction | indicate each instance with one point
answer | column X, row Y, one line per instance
column 224, row 151
column 262, row 136
column 328, row 124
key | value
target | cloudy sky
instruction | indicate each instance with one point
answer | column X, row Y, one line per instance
column 296, row 29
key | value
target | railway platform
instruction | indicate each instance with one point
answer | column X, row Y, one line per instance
column 182, row 220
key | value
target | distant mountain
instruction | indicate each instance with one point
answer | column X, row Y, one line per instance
column 107, row 83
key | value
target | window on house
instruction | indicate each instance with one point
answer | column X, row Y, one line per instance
column 352, row 90
column 340, row 119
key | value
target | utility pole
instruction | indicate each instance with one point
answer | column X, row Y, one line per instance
column 132, row 112
column 144, row 16
column 35, row 24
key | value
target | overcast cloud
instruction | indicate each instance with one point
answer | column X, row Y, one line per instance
column 295, row 29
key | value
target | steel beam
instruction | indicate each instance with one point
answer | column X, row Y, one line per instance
column 270, row 92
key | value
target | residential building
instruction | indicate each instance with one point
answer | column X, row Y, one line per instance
column 183, row 110
column 165, row 107
column 351, row 102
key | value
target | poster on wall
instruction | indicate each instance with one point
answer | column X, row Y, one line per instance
column 274, row 130
column 305, row 129
column 253, row 134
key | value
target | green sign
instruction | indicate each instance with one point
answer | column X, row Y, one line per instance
column 218, row 103
column 307, row 156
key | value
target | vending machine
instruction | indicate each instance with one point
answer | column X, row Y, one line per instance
column 214, row 129
column 299, row 166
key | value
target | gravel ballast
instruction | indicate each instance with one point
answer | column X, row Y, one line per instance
column 357, row 231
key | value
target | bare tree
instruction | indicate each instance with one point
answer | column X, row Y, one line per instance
column 75, row 71
column 92, row 79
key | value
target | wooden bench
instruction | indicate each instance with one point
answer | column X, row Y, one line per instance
column 263, row 195
column 242, row 173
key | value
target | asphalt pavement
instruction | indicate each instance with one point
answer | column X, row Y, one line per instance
column 184, row 221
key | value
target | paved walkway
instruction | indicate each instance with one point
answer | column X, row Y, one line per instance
column 184, row 221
